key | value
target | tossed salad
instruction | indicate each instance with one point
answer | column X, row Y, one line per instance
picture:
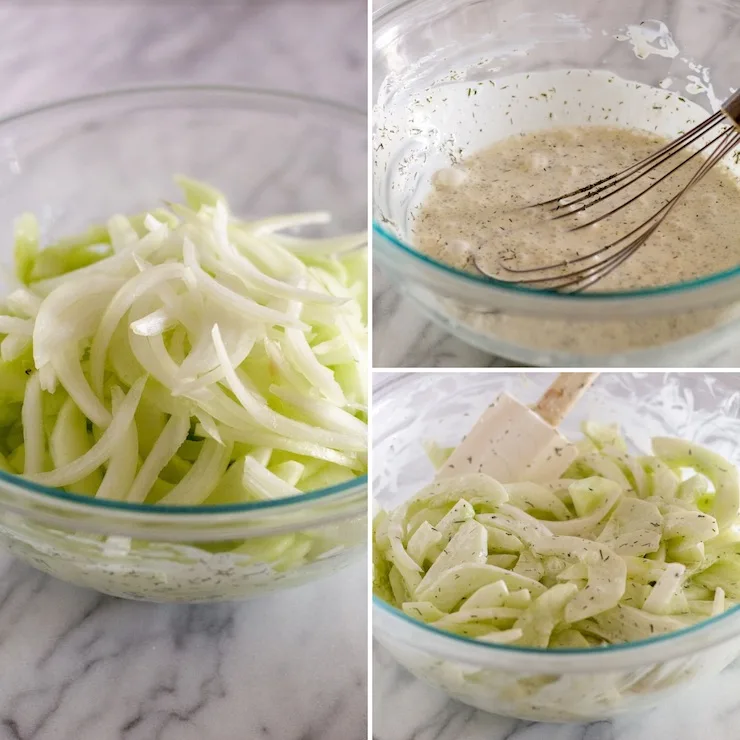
column 620, row 548
column 186, row 357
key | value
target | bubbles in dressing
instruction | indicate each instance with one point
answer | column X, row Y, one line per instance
column 483, row 209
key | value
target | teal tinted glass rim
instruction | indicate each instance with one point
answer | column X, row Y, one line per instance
column 621, row 647
column 205, row 89
column 605, row 297
column 155, row 509
column 126, row 506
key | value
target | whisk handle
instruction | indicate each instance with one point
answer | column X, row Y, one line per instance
column 731, row 108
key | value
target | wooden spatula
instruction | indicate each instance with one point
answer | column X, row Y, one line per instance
column 512, row 442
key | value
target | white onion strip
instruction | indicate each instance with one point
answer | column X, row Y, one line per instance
column 322, row 412
column 14, row 325
column 157, row 322
column 23, row 301
column 244, row 268
column 70, row 440
column 117, row 308
column 100, row 452
column 48, row 333
column 264, row 484
column 13, row 346
column 121, row 472
column 300, row 355
column 175, row 432
column 236, row 302
column 69, row 372
column 265, row 416
column 201, row 480
column 251, row 436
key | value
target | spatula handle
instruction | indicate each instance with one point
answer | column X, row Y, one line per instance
column 562, row 395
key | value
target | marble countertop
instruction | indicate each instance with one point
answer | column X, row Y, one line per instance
column 404, row 337
column 54, row 50
column 75, row 665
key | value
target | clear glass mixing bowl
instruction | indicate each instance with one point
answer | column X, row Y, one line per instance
column 422, row 46
column 531, row 683
column 75, row 163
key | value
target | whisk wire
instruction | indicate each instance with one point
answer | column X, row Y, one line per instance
column 602, row 270
column 668, row 150
column 583, row 278
column 584, row 198
column 655, row 183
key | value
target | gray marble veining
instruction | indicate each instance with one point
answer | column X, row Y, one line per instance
column 404, row 337
column 75, row 665
column 53, row 50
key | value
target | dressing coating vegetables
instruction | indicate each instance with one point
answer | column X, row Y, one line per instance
column 619, row 549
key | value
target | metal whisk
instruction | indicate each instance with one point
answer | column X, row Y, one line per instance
column 606, row 259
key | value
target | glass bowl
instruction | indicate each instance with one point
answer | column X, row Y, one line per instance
column 78, row 161
column 531, row 683
column 426, row 51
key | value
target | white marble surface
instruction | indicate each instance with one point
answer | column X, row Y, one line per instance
column 75, row 665
column 78, row 666
column 404, row 337
column 52, row 50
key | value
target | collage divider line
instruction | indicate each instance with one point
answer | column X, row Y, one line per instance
column 370, row 370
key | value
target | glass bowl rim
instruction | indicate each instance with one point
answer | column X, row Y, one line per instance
column 80, row 101
column 622, row 647
column 206, row 89
column 386, row 13
column 604, row 297
column 354, row 484
column 388, row 386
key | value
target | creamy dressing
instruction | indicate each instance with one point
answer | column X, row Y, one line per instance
column 422, row 137
column 471, row 217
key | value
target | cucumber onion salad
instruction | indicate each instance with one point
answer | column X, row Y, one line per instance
column 184, row 357
column 621, row 548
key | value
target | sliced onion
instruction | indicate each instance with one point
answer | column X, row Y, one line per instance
column 101, row 452
column 175, row 432
column 223, row 318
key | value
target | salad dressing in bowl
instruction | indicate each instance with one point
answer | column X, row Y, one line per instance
column 452, row 108
column 480, row 206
